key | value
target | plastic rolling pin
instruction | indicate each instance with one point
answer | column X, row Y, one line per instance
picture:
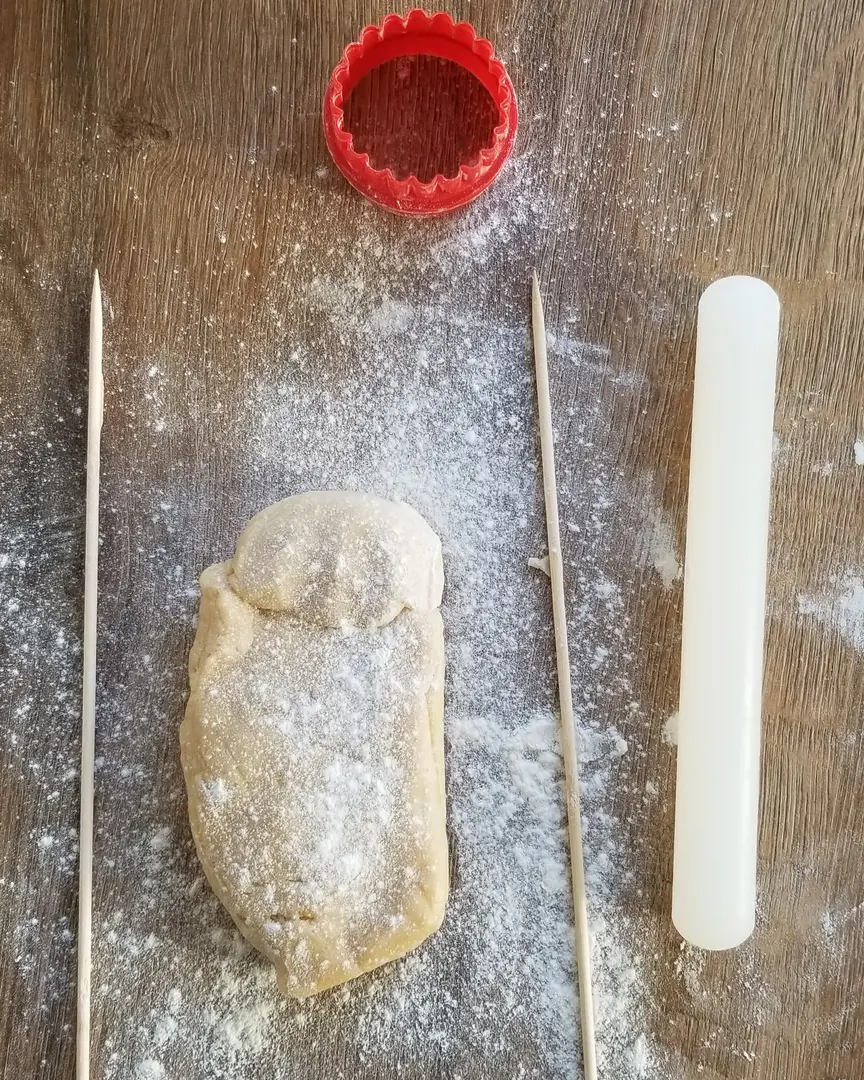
column 719, row 727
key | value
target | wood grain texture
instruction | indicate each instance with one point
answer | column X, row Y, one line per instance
column 177, row 146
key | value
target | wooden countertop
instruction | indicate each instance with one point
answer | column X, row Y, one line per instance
column 178, row 147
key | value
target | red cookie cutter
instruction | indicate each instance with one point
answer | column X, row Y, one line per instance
column 411, row 35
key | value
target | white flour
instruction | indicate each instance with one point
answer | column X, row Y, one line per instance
column 428, row 401
column 340, row 814
column 148, row 1069
column 386, row 371
column 385, row 374
column 840, row 606
column 461, row 451
column 658, row 548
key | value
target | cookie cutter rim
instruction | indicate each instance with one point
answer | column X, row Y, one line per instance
column 419, row 33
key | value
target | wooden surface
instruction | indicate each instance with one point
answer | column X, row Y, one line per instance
column 177, row 146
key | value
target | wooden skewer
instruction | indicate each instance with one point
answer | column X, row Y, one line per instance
column 565, row 693
column 88, row 708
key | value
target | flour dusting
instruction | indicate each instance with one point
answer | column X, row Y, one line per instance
column 327, row 832
column 304, row 340
column 388, row 375
column 840, row 606
column 658, row 547
column 149, row 1069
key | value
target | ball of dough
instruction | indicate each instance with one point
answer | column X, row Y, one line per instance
column 312, row 744
column 339, row 557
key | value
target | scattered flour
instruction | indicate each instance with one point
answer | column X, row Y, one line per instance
column 161, row 840
column 165, row 1030
column 840, row 606
column 386, row 374
column 660, row 549
column 149, row 1069
column 656, row 542
column 858, row 451
column 40, row 448
column 356, row 381
column 670, row 730
column 430, row 402
column 244, row 1031
column 780, row 451
column 689, row 966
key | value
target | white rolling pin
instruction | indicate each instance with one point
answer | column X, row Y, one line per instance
column 719, row 727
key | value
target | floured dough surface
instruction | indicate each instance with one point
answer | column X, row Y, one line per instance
column 335, row 558
column 312, row 744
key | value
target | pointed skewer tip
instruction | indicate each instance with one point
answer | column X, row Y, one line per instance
column 536, row 301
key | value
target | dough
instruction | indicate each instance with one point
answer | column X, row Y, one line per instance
column 312, row 744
